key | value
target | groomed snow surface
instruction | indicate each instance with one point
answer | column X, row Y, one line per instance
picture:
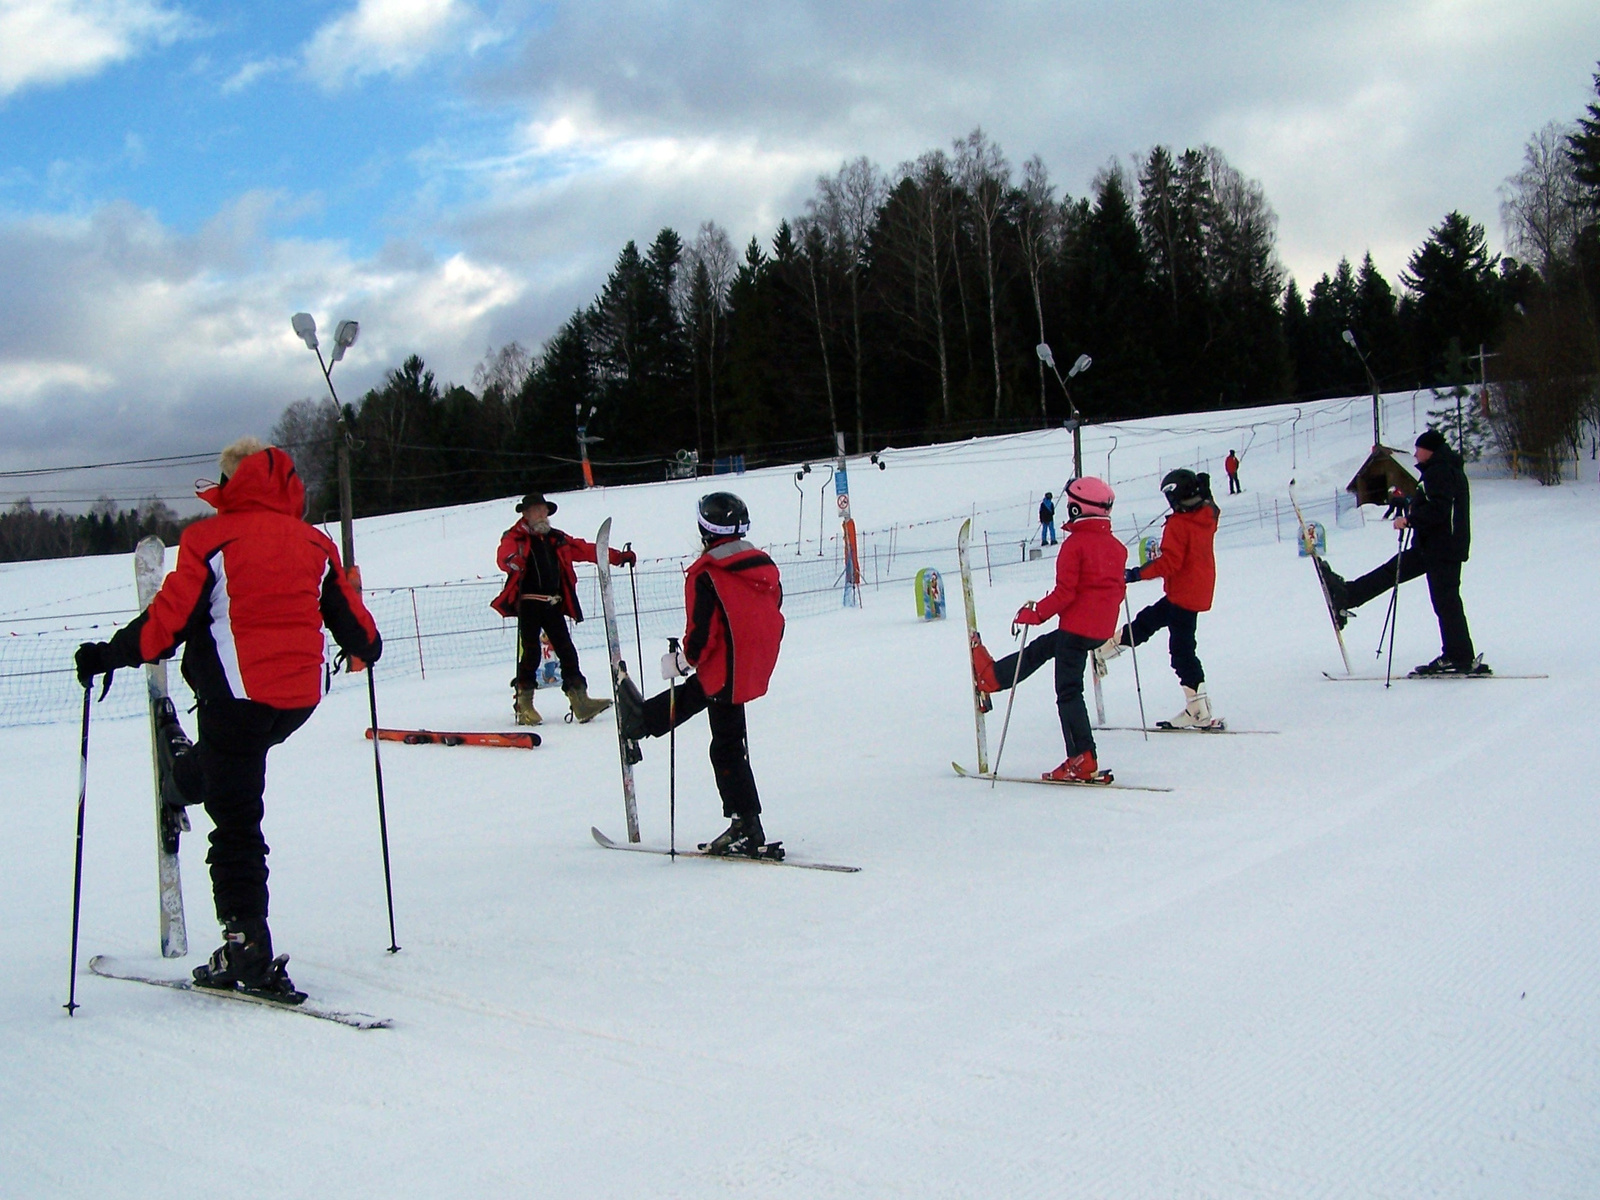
column 1357, row 958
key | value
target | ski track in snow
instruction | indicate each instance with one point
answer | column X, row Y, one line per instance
column 1356, row 959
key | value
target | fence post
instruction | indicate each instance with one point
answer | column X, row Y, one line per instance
column 988, row 566
column 1277, row 518
column 416, row 623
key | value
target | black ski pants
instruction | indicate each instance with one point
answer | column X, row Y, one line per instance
column 534, row 617
column 1180, row 624
column 730, row 746
column 1444, row 589
column 1234, row 486
column 1071, row 655
column 235, row 736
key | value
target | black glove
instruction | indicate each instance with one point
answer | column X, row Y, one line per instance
column 94, row 658
column 1132, row 575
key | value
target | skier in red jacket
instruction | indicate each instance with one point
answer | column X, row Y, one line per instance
column 733, row 597
column 1087, row 596
column 541, row 592
column 1187, row 567
column 253, row 587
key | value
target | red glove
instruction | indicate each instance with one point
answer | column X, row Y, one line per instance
column 626, row 558
column 1027, row 615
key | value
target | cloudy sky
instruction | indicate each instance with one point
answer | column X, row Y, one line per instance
column 177, row 177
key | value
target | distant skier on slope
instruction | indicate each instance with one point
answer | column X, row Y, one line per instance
column 1087, row 597
column 252, row 589
column 1047, row 520
column 1440, row 516
column 1231, row 466
column 733, row 597
column 541, row 592
column 1187, row 567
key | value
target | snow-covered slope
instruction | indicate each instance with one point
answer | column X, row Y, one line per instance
column 1355, row 957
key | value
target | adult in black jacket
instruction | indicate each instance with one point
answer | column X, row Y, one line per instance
column 1440, row 518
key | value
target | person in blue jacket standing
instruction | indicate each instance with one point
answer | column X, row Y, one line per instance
column 1047, row 521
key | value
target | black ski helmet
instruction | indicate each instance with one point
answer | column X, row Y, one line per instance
column 1182, row 489
column 722, row 514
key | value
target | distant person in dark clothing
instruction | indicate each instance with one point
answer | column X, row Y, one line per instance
column 1231, row 465
column 1440, row 518
column 1047, row 521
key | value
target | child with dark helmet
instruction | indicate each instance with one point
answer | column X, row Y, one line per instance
column 1087, row 597
column 733, row 599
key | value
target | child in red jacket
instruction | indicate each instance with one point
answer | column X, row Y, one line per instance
column 1187, row 567
column 733, row 598
column 1088, row 593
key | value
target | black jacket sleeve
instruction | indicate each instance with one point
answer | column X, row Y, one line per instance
column 707, row 607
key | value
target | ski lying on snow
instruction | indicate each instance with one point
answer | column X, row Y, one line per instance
column 111, row 968
column 1397, row 678
column 523, row 740
column 1082, row 783
column 771, row 862
column 1166, row 728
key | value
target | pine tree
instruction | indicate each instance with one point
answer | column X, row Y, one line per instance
column 1454, row 295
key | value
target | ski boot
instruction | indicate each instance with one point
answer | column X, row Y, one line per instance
column 1338, row 593
column 1443, row 666
column 245, row 963
column 630, row 710
column 584, row 709
column 983, row 668
column 522, row 706
column 1196, row 712
column 1106, row 651
column 182, row 782
column 1080, row 768
column 743, row 837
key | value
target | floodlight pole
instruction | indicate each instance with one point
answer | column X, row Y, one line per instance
column 344, row 337
column 1377, row 394
column 1075, row 421
column 583, row 442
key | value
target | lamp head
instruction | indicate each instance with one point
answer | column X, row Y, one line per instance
column 1043, row 351
column 1350, row 338
column 344, row 336
column 305, row 328
column 1083, row 364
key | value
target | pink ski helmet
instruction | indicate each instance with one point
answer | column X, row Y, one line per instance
column 1089, row 497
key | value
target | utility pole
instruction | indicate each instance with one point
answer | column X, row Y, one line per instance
column 1075, row 421
column 1377, row 394
column 583, row 442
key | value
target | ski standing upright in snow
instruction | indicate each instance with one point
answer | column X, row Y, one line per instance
column 149, row 568
column 980, row 699
column 627, row 748
column 1310, row 544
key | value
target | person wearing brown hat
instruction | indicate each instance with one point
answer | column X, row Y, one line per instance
column 541, row 592
column 1440, row 518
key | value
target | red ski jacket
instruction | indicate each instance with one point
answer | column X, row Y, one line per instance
column 734, row 597
column 252, row 589
column 1187, row 564
column 518, row 544
column 1089, row 580
column 1231, row 465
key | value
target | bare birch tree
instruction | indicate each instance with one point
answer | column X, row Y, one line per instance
column 845, row 208
column 985, row 178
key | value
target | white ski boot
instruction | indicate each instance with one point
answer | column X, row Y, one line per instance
column 1196, row 712
column 1106, row 651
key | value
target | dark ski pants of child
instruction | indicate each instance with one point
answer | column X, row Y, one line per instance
column 533, row 617
column 1180, row 625
column 1071, row 653
column 1444, row 589
column 730, row 747
column 235, row 736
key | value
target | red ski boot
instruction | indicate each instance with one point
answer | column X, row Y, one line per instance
column 1080, row 768
column 983, row 667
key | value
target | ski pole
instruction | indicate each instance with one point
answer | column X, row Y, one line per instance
column 672, row 759
column 383, row 820
column 77, row 867
column 1006, row 725
column 1134, row 650
column 633, row 582
column 1394, row 598
column 1388, row 671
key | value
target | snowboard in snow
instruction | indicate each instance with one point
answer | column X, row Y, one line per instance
column 428, row 737
column 149, row 568
column 1327, row 599
column 112, row 968
column 980, row 699
column 1109, row 783
column 627, row 748
column 785, row 861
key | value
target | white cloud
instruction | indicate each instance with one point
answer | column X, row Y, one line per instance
column 254, row 70
column 390, row 36
column 46, row 42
